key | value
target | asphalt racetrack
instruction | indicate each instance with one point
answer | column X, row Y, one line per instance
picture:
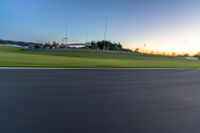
column 99, row 101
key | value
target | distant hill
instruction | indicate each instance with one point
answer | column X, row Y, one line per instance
column 20, row 43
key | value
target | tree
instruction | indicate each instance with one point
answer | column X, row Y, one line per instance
column 185, row 54
column 2, row 41
column 107, row 45
column 47, row 46
column 62, row 46
column 197, row 55
column 55, row 45
column 119, row 46
column 137, row 50
column 94, row 45
column 37, row 46
column 128, row 50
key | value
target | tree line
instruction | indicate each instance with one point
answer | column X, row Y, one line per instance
column 107, row 45
column 98, row 45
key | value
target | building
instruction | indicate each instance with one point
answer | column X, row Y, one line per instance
column 78, row 45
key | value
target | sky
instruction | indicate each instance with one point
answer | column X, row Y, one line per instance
column 162, row 25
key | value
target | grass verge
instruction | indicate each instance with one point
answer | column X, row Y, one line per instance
column 17, row 57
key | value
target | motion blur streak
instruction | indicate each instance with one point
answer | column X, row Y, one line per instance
column 100, row 101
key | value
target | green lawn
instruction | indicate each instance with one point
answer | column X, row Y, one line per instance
column 16, row 57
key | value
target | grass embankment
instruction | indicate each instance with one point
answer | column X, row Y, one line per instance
column 17, row 57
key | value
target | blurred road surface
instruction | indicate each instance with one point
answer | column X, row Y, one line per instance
column 100, row 101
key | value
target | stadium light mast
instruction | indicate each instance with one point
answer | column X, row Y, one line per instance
column 105, row 32
column 144, row 48
column 185, row 46
column 66, row 36
column 106, row 28
column 87, row 36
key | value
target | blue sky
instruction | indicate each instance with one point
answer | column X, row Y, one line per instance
column 160, row 24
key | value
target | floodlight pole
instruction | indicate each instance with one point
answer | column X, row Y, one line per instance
column 66, row 36
column 186, row 41
column 105, row 33
column 144, row 48
column 86, row 36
